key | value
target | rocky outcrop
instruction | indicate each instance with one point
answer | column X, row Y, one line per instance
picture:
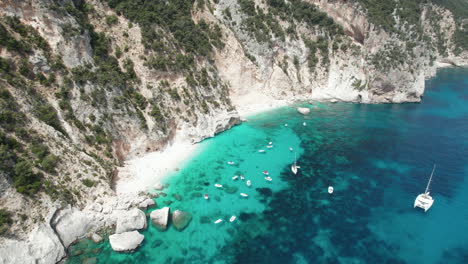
column 146, row 204
column 216, row 122
column 127, row 241
column 160, row 218
column 134, row 219
column 181, row 219
column 303, row 110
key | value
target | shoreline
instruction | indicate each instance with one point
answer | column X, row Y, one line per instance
column 143, row 173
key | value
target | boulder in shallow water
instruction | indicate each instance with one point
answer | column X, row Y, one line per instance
column 127, row 241
column 96, row 238
column 303, row 110
column 160, row 217
column 134, row 219
column 177, row 196
column 181, row 219
column 158, row 186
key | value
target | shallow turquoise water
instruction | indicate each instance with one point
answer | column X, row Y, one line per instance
column 377, row 157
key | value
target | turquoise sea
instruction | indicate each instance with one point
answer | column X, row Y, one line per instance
column 377, row 157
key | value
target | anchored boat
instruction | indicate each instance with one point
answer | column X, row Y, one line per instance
column 424, row 200
column 294, row 167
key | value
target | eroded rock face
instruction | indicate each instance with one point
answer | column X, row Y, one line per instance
column 181, row 219
column 72, row 224
column 127, row 241
column 42, row 247
column 134, row 219
column 160, row 217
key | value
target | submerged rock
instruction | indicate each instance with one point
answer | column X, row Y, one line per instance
column 134, row 219
column 205, row 220
column 89, row 261
column 157, row 243
column 77, row 252
column 303, row 110
column 127, row 241
column 231, row 189
column 177, row 196
column 181, row 219
column 160, row 217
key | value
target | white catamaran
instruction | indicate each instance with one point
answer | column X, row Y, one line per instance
column 294, row 167
column 424, row 200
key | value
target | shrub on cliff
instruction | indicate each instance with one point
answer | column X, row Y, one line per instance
column 5, row 221
column 25, row 180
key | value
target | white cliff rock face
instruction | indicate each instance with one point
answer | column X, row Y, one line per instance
column 134, row 219
column 210, row 125
column 72, row 224
column 42, row 247
column 127, row 241
column 160, row 217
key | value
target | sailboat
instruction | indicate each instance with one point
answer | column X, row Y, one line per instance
column 294, row 167
column 424, row 200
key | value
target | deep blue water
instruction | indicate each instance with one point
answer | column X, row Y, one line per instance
column 377, row 157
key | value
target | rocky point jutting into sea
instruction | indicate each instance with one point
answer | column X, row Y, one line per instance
column 92, row 90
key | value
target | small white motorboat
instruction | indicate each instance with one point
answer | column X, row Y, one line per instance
column 217, row 185
column 230, row 162
column 244, row 195
column 248, row 183
column 268, row 178
column 218, row 221
column 424, row 200
column 235, row 177
column 330, row 189
column 266, row 172
column 242, row 177
column 269, row 146
column 261, row 150
column 205, row 196
column 304, row 124
column 232, row 219
column 291, row 149
column 270, row 143
column 286, row 124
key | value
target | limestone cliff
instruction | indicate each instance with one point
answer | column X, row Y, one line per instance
column 88, row 84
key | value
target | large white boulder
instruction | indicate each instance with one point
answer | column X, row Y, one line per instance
column 303, row 110
column 134, row 219
column 127, row 241
column 72, row 224
column 160, row 217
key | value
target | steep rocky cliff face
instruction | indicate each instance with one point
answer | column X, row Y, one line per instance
column 85, row 85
